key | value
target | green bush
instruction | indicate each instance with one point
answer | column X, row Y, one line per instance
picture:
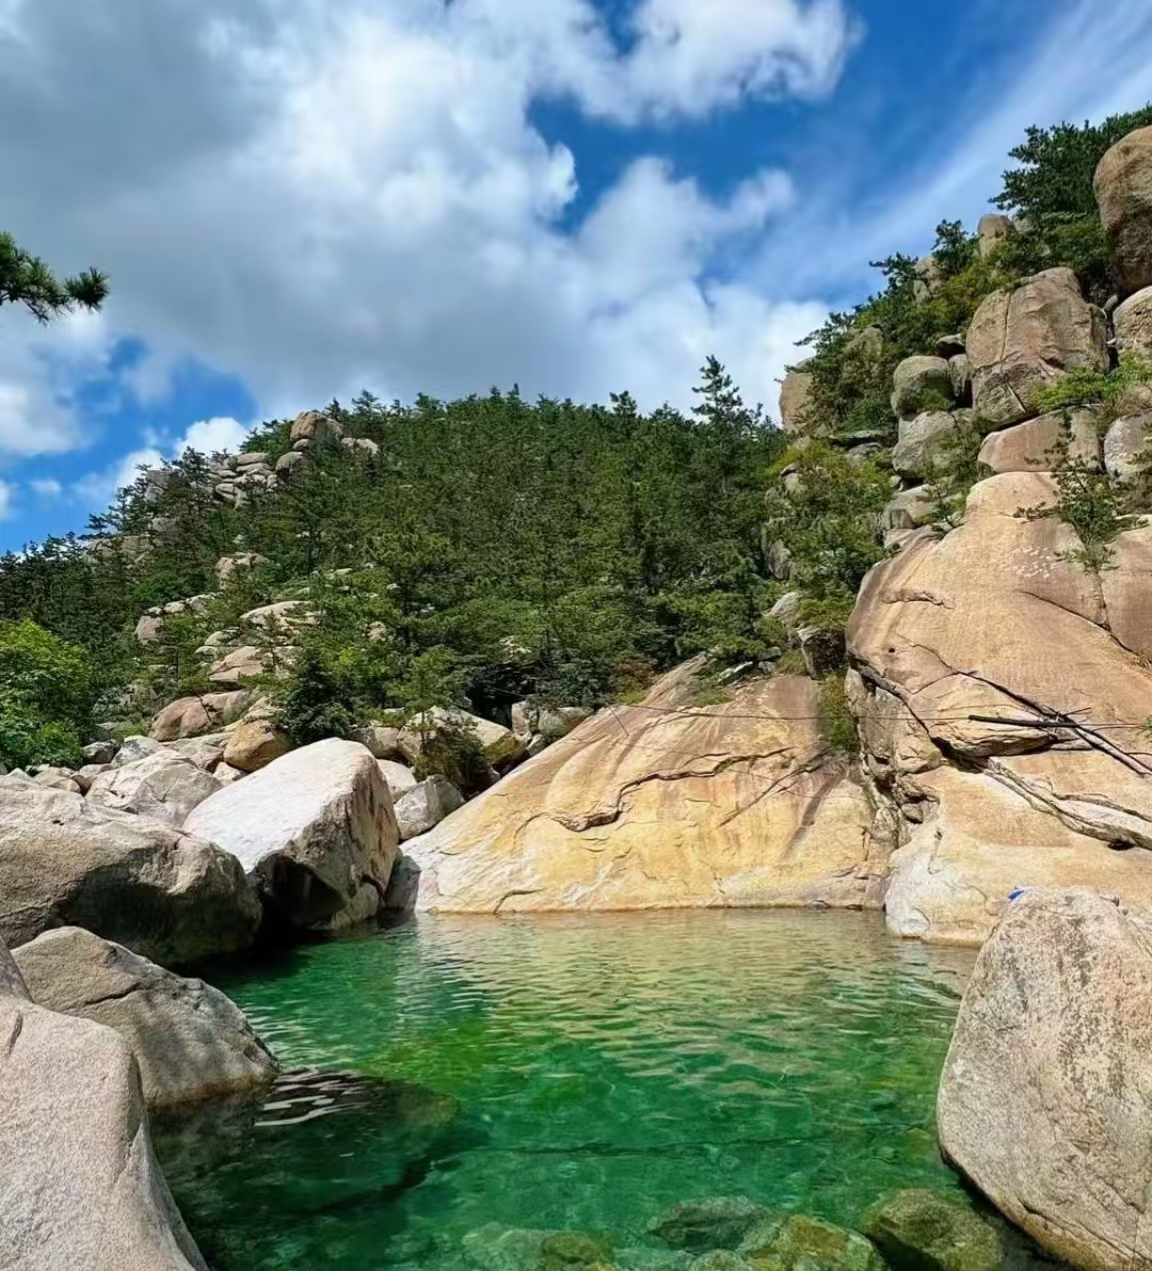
column 837, row 723
column 47, row 690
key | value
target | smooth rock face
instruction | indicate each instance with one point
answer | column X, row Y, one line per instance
column 922, row 441
column 67, row 862
column 1029, row 447
column 191, row 1041
column 917, row 384
column 310, row 829
column 994, row 230
column 662, row 806
column 425, row 805
column 1021, row 341
column 191, row 716
column 1133, row 323
column 165, row 787
column 795, row 400
column 81, row 1189
column 994, row 619
column 254, row 744
column 1124, row 195
column 1044, row 1098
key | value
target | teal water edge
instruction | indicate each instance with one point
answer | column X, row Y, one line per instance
column 573, row 1073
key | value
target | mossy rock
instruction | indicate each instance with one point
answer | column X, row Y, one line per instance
column 722, row 1260
column 495, row 1247
column 717, row 1222
column 799, row 1243
column 918, row 1230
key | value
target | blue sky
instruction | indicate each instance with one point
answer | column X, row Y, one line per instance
column 299, row 198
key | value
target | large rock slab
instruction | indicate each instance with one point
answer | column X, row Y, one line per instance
column 1044, row 1097
column 997, row 620
column 191, row 1042
column 662, row 806
column 923, row 441
column 1133, row 323
column 1023, row 340
column 311, row 830
column 424, row 805
column 80, row 1189
column 165, row 894
column 1124, row 194
column 921, row 384
column 165, row 787
column 1032, row 446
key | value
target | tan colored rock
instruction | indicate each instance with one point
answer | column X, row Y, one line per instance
column 960, row 371
column 316, row 428
column 282, row 614
column 67, row 862
column 1022, row 341
column 929, row 278
column 56, row 778
column 204, row 751
column 201, row 714
column 81, row 1187
column 287, row 462
column 796, row 400
column 662, row 806
column 191, row 1042
column 149, row 628
column 1124, row 194
column 995, row 619
column 248, row 662
column 549, row 722
column 1133, row 324
column 1029, row 447
column 164, row 787
column 226, row 774
column 383, row 742
column 229, row 567
column 921, row 384
column 84, row 777
column 255, row 744
column 994, row 231
column 1043, row 1100
column 310, row 830
column 500, row 745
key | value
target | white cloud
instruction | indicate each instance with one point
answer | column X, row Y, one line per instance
column 47, row 488
column 321, row 197
column 7, row 494
column 98, row 488
column 210, row 435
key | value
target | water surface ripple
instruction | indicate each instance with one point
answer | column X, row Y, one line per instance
column 605, row 1067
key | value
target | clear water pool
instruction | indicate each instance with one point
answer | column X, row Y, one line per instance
column 574, row 1073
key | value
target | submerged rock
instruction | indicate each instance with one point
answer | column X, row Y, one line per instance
column 799, row 1243
column 716, row 1222
column 921, row 1230
column 190, row 1041
column 81, row 1188
column 1044, row 1096
column 495, row 1247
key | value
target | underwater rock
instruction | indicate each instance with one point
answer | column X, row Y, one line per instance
column 920, row 1230
column 718, row 1222
column 799, row 1243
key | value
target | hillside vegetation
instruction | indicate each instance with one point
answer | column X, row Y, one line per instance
column 482, row 551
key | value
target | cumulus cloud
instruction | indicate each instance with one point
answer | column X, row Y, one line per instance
column 210, row 435
column 7, row 493
column 47, row 488
column 325, row 196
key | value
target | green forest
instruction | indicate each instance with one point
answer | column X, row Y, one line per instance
column 490, row 549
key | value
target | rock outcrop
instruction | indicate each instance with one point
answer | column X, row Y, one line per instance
column 314, row 831
column 80, row 1190
column 1124, row 195
column 1021, row 341
column 191, row 1041
column 997, row 619
column 662, row 806
column 165, row 894
column 796, row 400
column 190, row 716
column 1044, row 1098
column 424, row 805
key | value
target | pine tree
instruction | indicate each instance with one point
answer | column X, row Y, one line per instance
column 25, row 279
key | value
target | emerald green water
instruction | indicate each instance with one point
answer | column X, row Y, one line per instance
column 604, row 1068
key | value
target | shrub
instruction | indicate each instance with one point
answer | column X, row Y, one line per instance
column 837, row 723
column 47, row 690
